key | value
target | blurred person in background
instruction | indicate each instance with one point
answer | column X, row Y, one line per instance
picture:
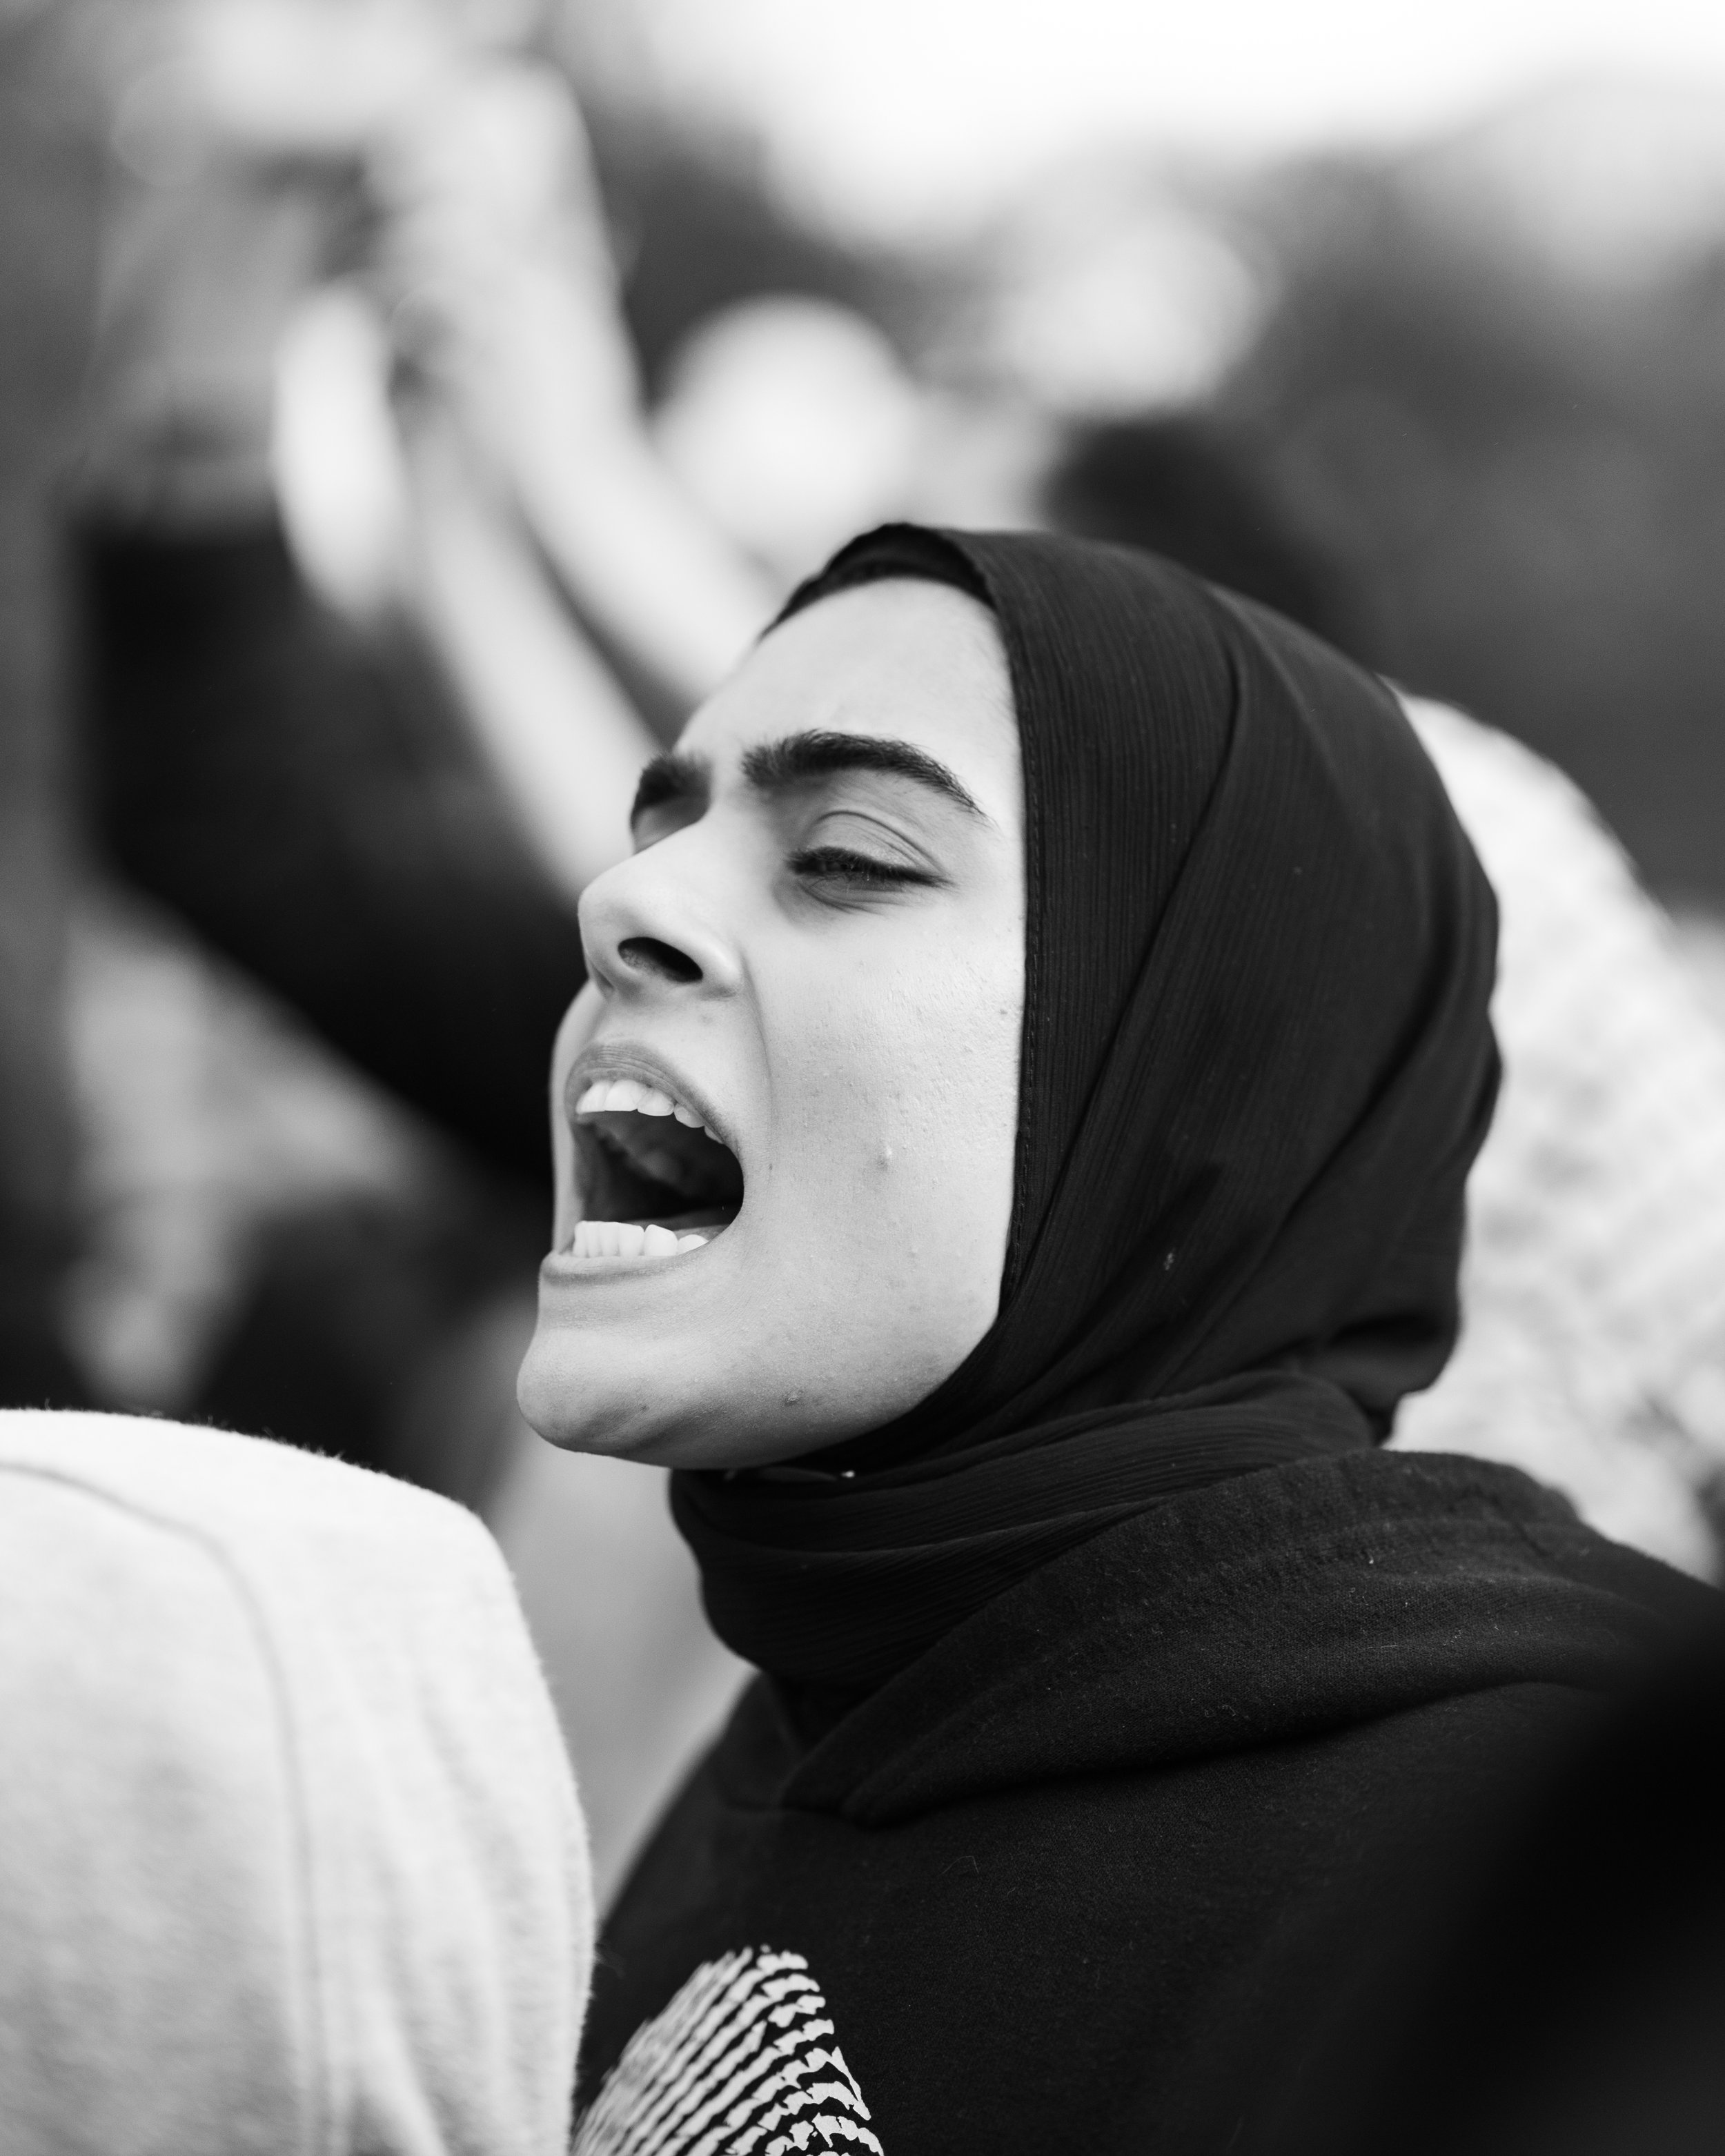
column 472, row 749
column 290, row 1854
column 384, row 593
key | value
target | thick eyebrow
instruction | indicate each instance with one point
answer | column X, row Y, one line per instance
column 771, row 767
column 774, row 767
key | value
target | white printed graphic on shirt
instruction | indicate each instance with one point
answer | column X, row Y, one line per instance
column 743, row 2062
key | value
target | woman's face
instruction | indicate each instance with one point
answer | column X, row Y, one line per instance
column 816, row 953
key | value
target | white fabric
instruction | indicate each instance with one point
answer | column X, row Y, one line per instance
column 290, row 1854
column 1593, row 1347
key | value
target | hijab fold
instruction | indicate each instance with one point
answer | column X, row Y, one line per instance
column 1255, row 1067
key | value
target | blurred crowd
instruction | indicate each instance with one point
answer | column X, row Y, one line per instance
column 400, row 433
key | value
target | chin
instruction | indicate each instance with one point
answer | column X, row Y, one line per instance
column 581, row 1402
column 729, row 1397
column 582, row 1397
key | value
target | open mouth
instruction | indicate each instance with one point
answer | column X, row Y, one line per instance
column 654, row 1181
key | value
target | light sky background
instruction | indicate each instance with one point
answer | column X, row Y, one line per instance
column 906, row 116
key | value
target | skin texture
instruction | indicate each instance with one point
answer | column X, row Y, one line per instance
column 854, row 1042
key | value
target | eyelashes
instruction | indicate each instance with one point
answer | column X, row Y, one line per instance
column 837, row 867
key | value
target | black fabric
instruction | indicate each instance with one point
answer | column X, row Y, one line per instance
column 1117, row 1861
column 1256, row 1065
column 1569, row 2001
column 308, row 800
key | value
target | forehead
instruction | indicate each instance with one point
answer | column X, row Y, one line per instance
column 902, row 660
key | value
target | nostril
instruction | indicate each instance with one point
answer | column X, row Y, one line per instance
column 646, row 954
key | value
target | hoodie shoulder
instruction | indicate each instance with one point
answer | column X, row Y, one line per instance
column 1278, row 1607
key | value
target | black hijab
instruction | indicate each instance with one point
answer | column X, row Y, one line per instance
column 1255, row 1067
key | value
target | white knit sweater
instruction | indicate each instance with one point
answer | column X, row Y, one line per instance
column 290, row 1854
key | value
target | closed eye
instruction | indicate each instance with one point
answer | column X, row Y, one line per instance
column 839, row 866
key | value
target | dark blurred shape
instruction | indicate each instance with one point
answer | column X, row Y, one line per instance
column 1522, row 466
column 304, row 796
column 1497, row 440
column 1183, row 487
column 1570, row 1999
column 46, row 237
column 303, row 793
column 355, row 1338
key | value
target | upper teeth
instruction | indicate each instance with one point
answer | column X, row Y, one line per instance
column 629, row 1096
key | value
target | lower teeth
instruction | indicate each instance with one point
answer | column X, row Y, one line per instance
column 626, row 1238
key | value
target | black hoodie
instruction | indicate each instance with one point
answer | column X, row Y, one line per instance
column 1105, row 1868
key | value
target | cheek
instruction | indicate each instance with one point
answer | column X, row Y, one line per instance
column 901, row 1127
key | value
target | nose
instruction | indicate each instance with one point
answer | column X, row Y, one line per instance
column 651, row 926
